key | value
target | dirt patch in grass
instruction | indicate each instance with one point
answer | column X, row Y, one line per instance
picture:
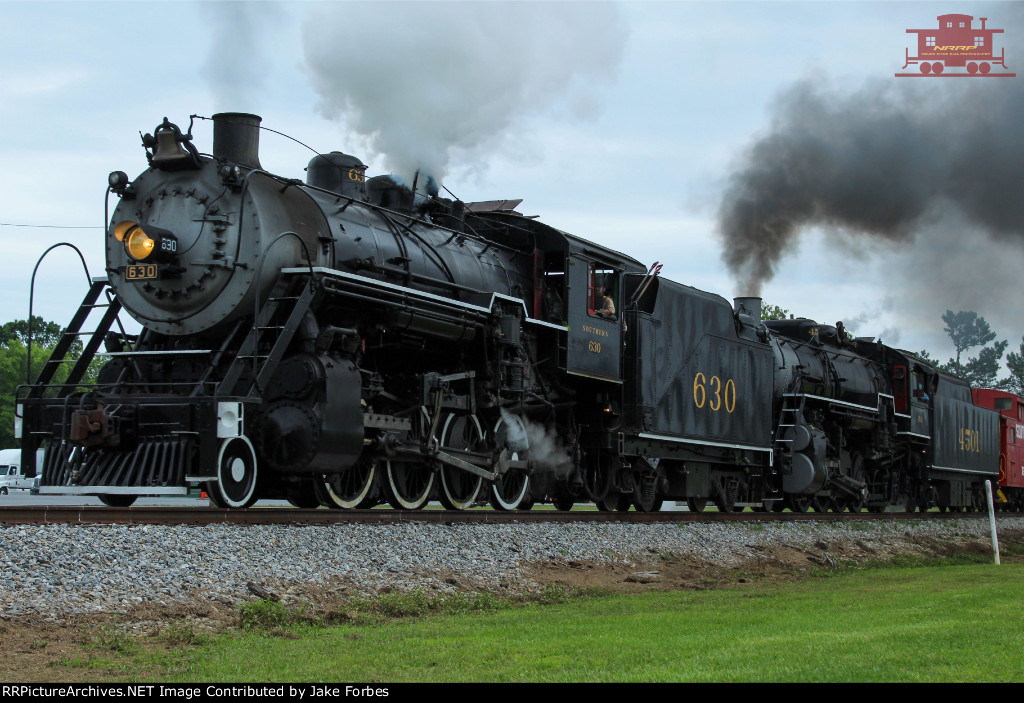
column 778, row 563
column 105, row 647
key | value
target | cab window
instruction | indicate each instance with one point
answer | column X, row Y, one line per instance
column 602, row 292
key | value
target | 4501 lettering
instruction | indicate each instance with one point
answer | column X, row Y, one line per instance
column 970, row 441
column 714, row 393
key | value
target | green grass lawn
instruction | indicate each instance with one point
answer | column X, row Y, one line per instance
column 959, row 623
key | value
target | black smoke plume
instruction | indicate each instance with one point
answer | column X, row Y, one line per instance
column 886, row 162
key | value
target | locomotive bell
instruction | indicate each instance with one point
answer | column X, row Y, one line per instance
column 171, row 149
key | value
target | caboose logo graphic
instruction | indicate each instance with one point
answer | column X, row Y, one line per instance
column 956, row 49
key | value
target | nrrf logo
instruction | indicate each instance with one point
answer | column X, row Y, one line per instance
column 956, row 49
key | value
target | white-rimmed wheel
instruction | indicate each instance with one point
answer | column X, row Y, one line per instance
column 348, row 490
column 460, row 488
column 237, row 475
column 408, row 484
column 512, row 490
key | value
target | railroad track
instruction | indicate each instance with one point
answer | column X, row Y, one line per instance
column 163, row 515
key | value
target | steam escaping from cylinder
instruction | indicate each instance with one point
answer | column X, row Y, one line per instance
column 882, row 164
column 428, row 82
column 545, row 448
column 515, row 432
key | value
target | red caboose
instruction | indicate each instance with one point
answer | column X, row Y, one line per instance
column 1011, row 442
column 956, row 44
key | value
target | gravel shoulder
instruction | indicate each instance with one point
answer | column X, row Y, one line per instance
column 61, row 582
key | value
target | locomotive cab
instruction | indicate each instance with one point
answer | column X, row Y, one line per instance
column 594, row 346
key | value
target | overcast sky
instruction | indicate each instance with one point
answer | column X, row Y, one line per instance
column 622, row 123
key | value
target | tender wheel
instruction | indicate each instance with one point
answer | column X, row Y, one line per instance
column 563, row 501
column 649, row 504
column 408, row 484
column 696, row 504
column 348, row 490
column 725, row 505
column 617, row 502
column 459, row 488
column 237, row 475
column 511, row 491
column 821, row 505
column 597, row 481
column 798, row 504
column 114, row 500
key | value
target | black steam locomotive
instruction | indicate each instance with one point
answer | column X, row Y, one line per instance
column 347, row 341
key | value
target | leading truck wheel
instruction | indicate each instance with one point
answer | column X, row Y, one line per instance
column 237, row 475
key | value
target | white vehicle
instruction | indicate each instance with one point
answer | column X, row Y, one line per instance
column 11, row 477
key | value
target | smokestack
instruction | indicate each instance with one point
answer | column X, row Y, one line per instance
column 236, row 138
column 749, row 306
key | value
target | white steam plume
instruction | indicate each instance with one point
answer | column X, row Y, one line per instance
column 543, row 444
column 421, row 81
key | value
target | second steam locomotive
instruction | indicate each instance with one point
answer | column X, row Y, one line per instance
column 347, row 341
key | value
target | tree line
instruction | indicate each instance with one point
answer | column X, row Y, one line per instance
column 14, row 369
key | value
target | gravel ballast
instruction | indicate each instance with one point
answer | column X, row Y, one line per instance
column 58, row 570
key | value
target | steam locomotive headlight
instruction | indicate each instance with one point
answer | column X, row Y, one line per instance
column 151, row 244
column 122, row 228
column 138, row 244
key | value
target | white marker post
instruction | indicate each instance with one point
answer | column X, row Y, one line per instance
column 992, row 519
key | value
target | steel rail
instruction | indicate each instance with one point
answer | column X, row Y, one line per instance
column 83, row 515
